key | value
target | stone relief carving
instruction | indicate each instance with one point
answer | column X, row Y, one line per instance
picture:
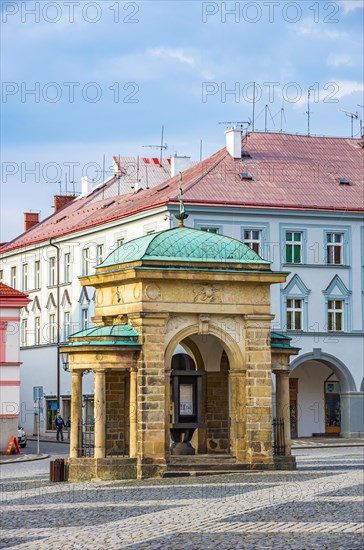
column 203, row 324
column 118, row 298
column 136, row 291
column 207, row 294
column 174, row 323
column 152, row 291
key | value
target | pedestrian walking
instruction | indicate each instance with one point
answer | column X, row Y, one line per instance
column 68, row 426
column 59, row 424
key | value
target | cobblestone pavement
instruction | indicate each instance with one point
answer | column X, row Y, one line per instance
column 318, row 507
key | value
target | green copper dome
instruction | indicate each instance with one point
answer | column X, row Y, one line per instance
column 184, row 244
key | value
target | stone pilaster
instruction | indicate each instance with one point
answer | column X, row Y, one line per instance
column 237, row 413
column 100, row 413
column 116, row 423
column 283, row 408
column 76, row 414
column 258, row 408
column 133, row 414
column 151, row 395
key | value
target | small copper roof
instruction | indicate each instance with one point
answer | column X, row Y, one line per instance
column 288, row 172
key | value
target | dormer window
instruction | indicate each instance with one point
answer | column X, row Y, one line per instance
column 343, row 181
column 246, row 176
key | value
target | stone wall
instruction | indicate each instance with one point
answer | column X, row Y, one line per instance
column 217, row 408
column 117, row 441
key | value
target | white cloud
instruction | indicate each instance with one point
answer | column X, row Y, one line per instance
column 334, row 90
column 308, row 28
column 351, row 5
column 169, row 53
column 338, row 60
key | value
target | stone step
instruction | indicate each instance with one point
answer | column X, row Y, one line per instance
column 197, row 459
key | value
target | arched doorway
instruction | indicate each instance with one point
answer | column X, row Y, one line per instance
column 319, row 385
column 206, row 355
column 218, row 355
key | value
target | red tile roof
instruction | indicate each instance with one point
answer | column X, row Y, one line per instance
column 9, row 292
column 289, row 172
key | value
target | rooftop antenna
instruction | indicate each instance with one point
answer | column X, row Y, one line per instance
column 267, row 110
column 283, row 117
column 361, row 120
column 254, row 97
column 200, row 150
column 308, row 112
column 161, row 147
column 235, row 124
column 353, row 116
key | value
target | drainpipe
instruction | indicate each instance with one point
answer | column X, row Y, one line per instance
column 58, row 329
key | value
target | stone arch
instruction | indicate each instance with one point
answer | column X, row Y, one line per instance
column 193, row 348
column 345, row 377
column 228, row 344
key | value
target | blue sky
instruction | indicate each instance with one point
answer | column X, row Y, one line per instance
column 106, row 87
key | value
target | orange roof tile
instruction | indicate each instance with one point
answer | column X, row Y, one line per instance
column 288, row 171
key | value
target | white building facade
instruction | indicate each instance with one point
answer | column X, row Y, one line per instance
column 321, row 307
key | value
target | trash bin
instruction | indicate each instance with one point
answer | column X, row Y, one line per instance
column 57, row 470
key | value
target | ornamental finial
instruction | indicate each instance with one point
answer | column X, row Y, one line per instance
column 182, row 211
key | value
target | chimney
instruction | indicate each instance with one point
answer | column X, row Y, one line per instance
column 30, row 220
column 61, row 200
column 233, row 142
column 179, row 164
column 86, row 186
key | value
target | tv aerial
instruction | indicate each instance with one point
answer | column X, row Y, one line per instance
column 353, row 116
column 162, row 147
column 237, row 123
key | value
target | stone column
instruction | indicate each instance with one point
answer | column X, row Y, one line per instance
column 151, row 396
column 283, row 407
column 133, row 413
column 100, row 413
column 237, row 414
column 76, row 413
column 258, row 408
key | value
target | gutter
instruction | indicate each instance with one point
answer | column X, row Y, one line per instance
column 58, row 324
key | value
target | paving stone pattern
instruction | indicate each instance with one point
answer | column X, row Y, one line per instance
column 318, row 507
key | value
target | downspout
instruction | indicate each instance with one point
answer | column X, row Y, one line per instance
column 58, row 328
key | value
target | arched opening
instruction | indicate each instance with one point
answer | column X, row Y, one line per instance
column 207, row 354
column 317, row 382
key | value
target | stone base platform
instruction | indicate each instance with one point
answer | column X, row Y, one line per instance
column 101, row 469
column 285, row 463
column 210, row 464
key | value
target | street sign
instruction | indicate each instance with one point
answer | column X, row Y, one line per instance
column 37, row 392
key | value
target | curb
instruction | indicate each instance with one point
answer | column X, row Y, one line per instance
column 298, row 448
column 27, row 458
column 66, row 442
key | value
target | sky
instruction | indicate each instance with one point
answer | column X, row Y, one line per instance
column 83, row 79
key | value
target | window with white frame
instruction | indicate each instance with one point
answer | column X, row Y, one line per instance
column 52, row 271
column 67, row 268
column 86, row 261
column 25, row 277
column 253, row 239
column 24, row 332
column 52, row 329
column 99, row 254
column 37, row 274
column 66, row 325
column 294, row 247
column 13, row 277
column 210, row 229
column 335, row 315
column 37, row 330
column 84, row 319
column 334, row 248
column 294, row 314
column 120, row 242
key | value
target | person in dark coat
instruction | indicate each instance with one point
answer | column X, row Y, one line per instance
column 59, row 424
column 68, row 427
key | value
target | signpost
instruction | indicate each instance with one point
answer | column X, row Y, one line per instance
column 38, row 394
